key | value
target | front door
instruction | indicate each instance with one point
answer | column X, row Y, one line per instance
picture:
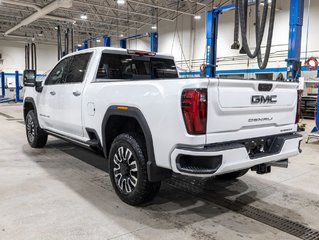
column 69, row 103
column 47, row 99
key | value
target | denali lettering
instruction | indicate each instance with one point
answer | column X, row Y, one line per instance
column 260, row 119
column 260, row 99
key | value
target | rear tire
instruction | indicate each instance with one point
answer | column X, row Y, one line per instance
column 128, row 170
column 232, row 175
column 37, row 138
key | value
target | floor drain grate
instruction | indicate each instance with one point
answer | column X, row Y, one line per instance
column 293, row 228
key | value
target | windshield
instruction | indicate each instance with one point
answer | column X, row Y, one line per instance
column 131, row 67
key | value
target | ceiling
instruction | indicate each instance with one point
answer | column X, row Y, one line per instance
column 104, row 17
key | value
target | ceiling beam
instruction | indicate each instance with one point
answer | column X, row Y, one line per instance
column 121, row 10
column 160, row 7
column 40, row 13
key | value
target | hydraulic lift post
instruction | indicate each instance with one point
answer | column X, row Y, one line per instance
column 211, row 38
column 153, row 40
column 294, row 44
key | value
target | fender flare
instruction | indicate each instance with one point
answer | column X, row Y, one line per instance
column 29, row 100
column 154, row 172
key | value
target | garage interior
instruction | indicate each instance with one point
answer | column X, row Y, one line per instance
column 63, row 191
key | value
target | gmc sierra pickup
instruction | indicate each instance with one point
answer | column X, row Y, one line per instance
column 150, row 123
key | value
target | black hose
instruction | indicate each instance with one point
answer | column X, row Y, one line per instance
column 72, row 40
column 245, row 10
column 34, row 56
column 59, row 42
column 260, row 28
column 27, row 56
column 263, row 63
column 66, row 42
column 236, row 44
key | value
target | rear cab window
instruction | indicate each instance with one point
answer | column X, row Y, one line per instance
column 134, row 67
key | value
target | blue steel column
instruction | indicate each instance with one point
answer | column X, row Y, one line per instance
column 123, row 43
column 317, row 112
column 154, row 41
column 295, row 34
column 3, row 89
column 17, row 86
column 106, row 41
column 211, row 42
column 85, row 44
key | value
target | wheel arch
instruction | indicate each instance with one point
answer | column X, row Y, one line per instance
column 29, row 104
column 154, row 172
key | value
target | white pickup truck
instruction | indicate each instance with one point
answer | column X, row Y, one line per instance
column 150, row 123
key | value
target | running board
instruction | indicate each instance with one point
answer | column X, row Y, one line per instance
column 68, row 139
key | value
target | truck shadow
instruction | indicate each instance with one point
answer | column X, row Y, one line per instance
column 172, row 208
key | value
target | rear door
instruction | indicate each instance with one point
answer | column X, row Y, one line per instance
column 246, row 108
column 69, row 103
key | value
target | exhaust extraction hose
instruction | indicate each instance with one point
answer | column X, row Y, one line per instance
column 236, row 28
column 260, row 29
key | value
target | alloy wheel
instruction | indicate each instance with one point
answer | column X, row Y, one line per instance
column 30, row 129
column 125, row 170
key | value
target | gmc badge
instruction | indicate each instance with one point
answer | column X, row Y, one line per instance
column 260, row 99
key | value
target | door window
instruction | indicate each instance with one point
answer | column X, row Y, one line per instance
column 58, row 73
column 78, row 68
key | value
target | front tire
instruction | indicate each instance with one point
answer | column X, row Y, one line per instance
column 37, row 138
column 232, row 175
column 128, row 170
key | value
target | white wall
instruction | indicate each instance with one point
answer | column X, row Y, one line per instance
column 13, row 56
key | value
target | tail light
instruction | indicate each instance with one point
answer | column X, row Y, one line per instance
column 194, row 108
column 298, row 113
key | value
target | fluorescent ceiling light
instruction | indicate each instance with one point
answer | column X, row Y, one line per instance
column 197, row 17
column 154, row 27
column 84, row 17
column 120, row 2
column 79, row 45
column 121, row 35
column 98, row 40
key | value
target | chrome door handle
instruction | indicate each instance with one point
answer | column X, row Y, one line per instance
column 52, row 93
column 76, row 93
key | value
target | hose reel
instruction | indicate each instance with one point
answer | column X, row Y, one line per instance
column 241, row 9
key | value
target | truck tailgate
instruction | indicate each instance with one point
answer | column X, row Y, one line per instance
column 249, row 108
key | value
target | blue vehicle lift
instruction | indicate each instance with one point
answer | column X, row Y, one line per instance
column 295, row 33
column 89, row 42
column 294, row 47
column 211, row 38
column 3, row 89
column 153, row 40
column 3, row 99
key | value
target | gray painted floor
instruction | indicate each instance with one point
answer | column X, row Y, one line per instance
column 64, row 192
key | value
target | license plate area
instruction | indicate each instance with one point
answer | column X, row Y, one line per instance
column 264, row 146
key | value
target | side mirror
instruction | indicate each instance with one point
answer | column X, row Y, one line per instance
column 29, row 77
column 38, row 86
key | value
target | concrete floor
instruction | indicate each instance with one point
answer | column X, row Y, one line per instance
column 64, row 192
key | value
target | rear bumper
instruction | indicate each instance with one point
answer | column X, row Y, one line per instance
column 229, row 157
